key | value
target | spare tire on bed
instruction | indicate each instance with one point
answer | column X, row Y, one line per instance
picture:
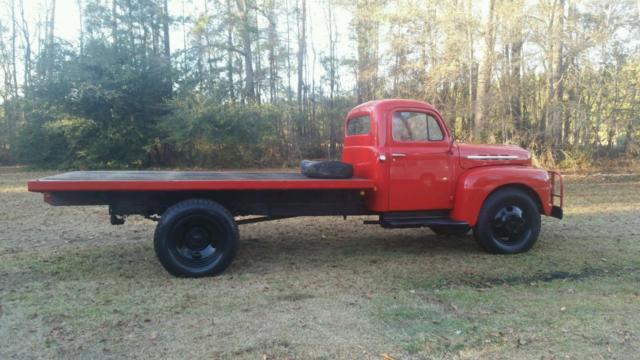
column 326, row 169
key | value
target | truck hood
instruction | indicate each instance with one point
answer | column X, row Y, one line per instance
column 485, row 155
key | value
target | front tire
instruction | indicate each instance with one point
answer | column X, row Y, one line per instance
column 196, row 238
column 509, row 222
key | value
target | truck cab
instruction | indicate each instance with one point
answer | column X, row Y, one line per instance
column 407, row 149
column 405, row 146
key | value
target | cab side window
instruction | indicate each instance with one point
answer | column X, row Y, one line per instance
column 409, row 126
column 359, row 126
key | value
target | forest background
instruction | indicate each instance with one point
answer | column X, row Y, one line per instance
column 265, row 83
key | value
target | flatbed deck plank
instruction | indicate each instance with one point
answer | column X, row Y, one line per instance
column 172, row 176
column 188, row 180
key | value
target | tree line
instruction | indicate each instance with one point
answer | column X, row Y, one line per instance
column 249, row 86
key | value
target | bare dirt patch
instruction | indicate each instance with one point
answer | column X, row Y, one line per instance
column 71, row 285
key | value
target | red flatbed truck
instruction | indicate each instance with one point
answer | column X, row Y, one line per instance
column 406, row 169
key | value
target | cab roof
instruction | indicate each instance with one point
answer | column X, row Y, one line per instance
column 385, row 104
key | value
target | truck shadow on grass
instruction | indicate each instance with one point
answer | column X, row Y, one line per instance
column 545, row 277
column 380, row 247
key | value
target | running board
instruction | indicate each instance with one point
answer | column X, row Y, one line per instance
column 416, row 220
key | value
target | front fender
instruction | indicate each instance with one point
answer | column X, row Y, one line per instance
column 475, row 185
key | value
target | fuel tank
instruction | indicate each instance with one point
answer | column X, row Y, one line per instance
column 472, row 155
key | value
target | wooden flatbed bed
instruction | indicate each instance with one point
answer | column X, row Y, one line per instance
column 189, row 181
column 151, row 193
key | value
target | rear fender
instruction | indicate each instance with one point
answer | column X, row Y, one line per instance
column 475, row 185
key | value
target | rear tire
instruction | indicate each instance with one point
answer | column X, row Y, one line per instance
column 196, row 238
column 509, row 222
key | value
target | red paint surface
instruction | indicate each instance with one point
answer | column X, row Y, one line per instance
column 435, row 174
column 421, row 179
column 475, row 185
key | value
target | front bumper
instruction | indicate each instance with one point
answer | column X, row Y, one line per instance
column 556, row 212
column 557, row 194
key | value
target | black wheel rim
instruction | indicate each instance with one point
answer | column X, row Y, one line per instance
column 196, row 240
column 510, row 225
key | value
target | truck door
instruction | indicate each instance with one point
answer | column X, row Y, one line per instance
column 420, row 169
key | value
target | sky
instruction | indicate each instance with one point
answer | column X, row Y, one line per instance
column 68, row 21
column 67, row 26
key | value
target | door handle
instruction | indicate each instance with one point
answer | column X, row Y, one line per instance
column 398, row 155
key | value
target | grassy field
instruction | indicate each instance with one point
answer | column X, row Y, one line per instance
column 71, row 285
